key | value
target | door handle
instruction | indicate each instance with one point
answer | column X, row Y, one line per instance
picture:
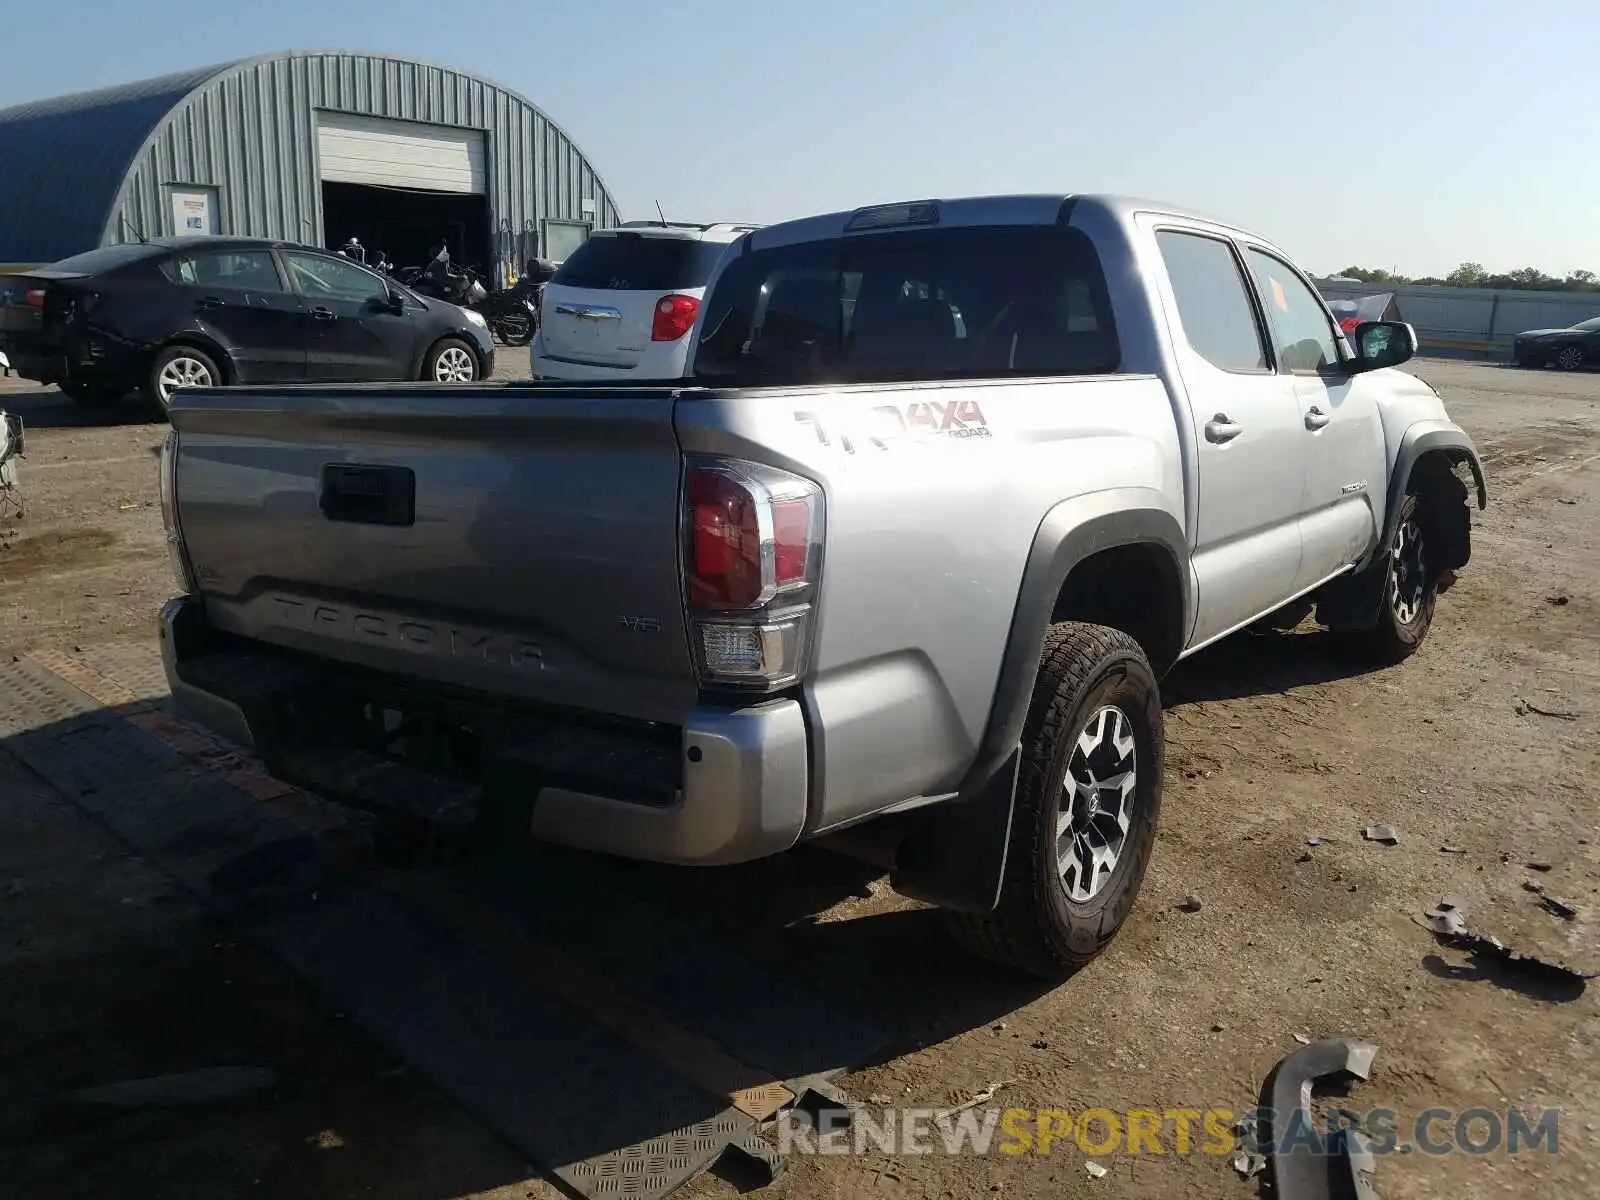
column 1316, row 418
column 1220, row 429
column 324, row 314
column 209, row 302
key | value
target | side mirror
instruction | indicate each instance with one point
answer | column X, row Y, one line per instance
column 1382, row 344
column 394, row 302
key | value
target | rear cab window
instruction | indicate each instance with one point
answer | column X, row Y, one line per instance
column 984, row 301
column 637, row 262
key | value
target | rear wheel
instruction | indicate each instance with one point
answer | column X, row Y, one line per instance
column 451, row 361
column 1088, row 797
column 1410, row 593
column 179, row 367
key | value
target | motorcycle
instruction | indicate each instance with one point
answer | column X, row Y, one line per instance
column 513, row 312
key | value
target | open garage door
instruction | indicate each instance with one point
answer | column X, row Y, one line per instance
column 376, row 152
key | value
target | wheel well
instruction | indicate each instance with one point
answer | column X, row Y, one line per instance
column 212, row 351
column 1442, row 495
column 1136, row 589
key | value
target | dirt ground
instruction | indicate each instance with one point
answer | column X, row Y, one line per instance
column 1484, row 743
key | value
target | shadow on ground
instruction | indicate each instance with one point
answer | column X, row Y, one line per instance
column 475, row 981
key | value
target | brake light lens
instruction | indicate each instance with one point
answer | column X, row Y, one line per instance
column 674, row 317
column 752, row 559
column 35, row 297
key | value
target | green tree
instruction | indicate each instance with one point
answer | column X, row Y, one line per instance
column 1468, row 274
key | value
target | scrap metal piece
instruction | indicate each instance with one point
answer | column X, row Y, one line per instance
column 1298, row 1173
column 1450, row 927
column 1560, row 907
column 1387, row 834
column 1249, row 1165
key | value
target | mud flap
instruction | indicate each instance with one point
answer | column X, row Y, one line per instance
column 954, row 854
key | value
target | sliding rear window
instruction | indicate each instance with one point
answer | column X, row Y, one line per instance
column 973, row 302
column 633, row 262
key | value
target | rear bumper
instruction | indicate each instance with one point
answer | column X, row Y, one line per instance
column 730, row 786
column 652, row 365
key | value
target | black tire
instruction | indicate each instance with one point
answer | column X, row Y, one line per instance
column 1039, row 928
column 180, row 360
column 449, row 351
column 1570, row 358
column 1401, row 627
column 90, row 395
column 514, row 328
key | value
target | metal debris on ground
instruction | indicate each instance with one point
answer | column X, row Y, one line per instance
column 1560, row 714
column 1191, row 904
column 1313, row 841
column 1387, row 834
column 1534, row 886
column 1303, row 1038
column 1249, row 1165
column 1451, row 850
column 1450, row 927
column 1538, row 866
column 1557, row 601
column 1560, row 907
column 1096, row 1171
column 981, row 1097
column 1298, row 1171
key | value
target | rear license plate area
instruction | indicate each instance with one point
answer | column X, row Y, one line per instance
column 416, row 731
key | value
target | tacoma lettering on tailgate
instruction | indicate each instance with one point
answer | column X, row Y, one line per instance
column 406, row 633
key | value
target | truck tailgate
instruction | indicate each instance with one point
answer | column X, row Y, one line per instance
column 519, row 542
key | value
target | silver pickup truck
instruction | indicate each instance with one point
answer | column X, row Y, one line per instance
column 896, row 569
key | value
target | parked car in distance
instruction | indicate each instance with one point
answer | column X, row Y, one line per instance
column 1571, row 349
column 897, row 569
column 621, row 306
column 196, row 312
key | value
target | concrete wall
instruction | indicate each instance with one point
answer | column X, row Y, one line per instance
column 1474, row 320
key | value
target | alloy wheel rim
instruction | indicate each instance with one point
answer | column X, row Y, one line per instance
column 1097, row 802
column 1407, row 571
column 182, row 372
column 1570, row 358
column 453, row 366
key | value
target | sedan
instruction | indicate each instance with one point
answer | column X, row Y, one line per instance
column 1571, row 348
column 204, row 312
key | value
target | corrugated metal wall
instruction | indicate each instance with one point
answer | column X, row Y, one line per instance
column 1482, row 319
column 251, row 133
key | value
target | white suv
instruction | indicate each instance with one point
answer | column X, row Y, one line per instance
column 622, row 305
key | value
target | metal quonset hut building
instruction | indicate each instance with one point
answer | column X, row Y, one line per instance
column 310, row 147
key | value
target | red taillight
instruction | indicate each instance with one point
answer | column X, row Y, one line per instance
column 725, row 542
column 752, row 566
column 674, row 317
column 746, row 543
column 35, row 298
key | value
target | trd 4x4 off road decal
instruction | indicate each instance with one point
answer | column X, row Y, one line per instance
column 914, row 422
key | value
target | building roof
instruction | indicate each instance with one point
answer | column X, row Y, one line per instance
column 65, row 160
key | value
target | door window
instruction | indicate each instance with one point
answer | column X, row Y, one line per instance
column 1213, row 301
column 1301, row 329
column 242, row 270
column 319, row 278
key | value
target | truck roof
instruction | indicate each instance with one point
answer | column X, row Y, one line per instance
column 1020, row 209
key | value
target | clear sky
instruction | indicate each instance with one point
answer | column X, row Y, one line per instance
column 1412, row 134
